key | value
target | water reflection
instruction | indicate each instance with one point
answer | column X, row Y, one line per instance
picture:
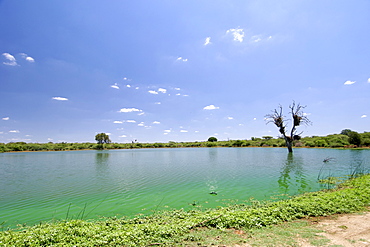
column 212, row 172
column 292, row 178
column 101, row 163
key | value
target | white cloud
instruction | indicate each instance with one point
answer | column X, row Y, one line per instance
column 28, row 58
column 237, row 33
column 363, row 116
column 157, row 103
column 117, row 122
column 122, row 136
column 14, row 131
column 115, row 86
column 60, row 98
column 156, row 122
column 368, row 80
column 211, row 107
column 5, row 118
column 177, row 88
column 128, row 85
column 230, row 118
column 256, row 38
column 152, row 92
column 11, row 59
column 141, row 124
column 182, row 59
column 254, row 119
column 207, row 41
column 183, row 131
column 130, row 121
column 167, row 131
column 126, row 110
column 349, row 82
column 162, row 90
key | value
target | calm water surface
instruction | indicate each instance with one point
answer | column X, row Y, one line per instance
column 40, row 186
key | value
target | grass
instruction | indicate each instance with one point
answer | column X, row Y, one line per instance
column 227, row 225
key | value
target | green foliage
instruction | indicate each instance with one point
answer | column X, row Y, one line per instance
column 102, row 138
column 212, row 139
column 332, row 141
column 169, row 228
column 354, row 138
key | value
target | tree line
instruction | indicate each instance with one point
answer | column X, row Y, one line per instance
column 346, row 139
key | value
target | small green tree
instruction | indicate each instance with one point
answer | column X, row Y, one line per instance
column 102, row 138
column 354, row 138
column 212, row 139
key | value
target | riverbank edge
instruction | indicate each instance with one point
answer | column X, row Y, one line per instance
column 171, row 228
column 136, row 148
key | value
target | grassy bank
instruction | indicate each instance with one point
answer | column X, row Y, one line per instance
column 172, row 228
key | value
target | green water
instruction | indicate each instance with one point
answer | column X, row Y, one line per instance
column 42, row 186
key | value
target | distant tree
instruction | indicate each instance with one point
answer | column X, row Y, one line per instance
column 298, row 118
column 212, row 139
column 267, row 137
column 354, row 138
column 345, row 132
column 102, row 138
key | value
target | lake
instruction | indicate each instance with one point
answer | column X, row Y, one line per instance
column 41, row 186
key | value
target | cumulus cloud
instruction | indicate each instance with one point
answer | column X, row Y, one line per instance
column 183, row 131
column 167, row 131
column 156, row 122
column 141, row 124
column 157, row 103
column 363, row 116
column 130, row 121
column 10, row 59
column 211, row 107
column 237, row 33
column 349, row 82
column 14, row 131
column 207, row 41
column 162, row 90
column 152, row 92
column 122, row 136
column 5, row 118
column 117, row 122
column 60, row 98
column 230, row 118
column 27, row 58
column 126, row 110
column 368, row 80
column 115, row 86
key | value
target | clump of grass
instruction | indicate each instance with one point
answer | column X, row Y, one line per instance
column 172, row 228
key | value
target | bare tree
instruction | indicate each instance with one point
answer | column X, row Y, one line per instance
column 279, row 120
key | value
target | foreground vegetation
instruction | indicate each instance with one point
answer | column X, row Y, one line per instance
column 174, row 228
column 345, row 140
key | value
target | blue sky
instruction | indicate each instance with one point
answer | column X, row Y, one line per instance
column 159, row 71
